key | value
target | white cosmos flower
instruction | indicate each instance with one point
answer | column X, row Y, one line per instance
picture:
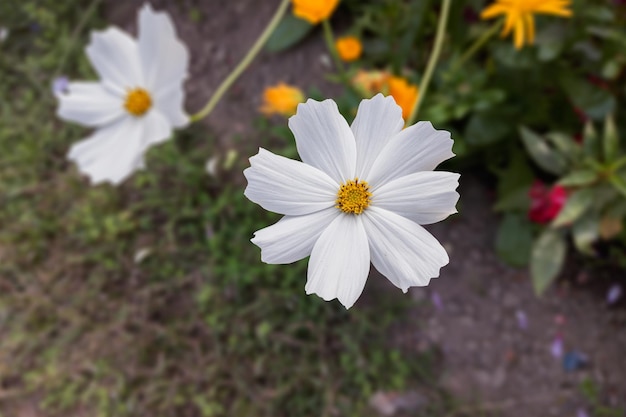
column 359, row 195
column 136, row 103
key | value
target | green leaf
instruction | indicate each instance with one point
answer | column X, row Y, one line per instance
column 604, row 195
column 618, row 183
column 289, row 32
column 506, row 54
column 594, row 101
column 547, row 159
column 591, row 142
column 514, row 240
column 585, row 232
column 598, row 13
column 611, row 139
column 486, row 128
column 608, row 33
column 515, row 177
column 617, row 208
column 565, row 144
column 579, row 178
column 516, row 200
column 612, row 69
column 576, row 205
column 550, row 42
column 546, row 260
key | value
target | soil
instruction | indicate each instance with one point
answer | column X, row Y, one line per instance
column 490, row 361
column 492, row 358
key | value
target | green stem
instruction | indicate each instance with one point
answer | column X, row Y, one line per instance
column 330, row 44
column 480, row 42
column 432, row 61
column 252, row 53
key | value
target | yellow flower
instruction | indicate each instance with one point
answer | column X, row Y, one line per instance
column 520, row 16
column 404, row 93
column 349, row 48
column 281, row 99
column 314, row 11
column 368, row 83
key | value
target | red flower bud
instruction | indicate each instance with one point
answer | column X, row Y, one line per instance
column 545, row 203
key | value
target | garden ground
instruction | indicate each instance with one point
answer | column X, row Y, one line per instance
column 475, row 313
column 488, row 358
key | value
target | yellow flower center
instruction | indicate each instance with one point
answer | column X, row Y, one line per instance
column 353, row 196
column 138, row 101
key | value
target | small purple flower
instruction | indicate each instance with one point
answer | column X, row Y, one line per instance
column 435, row 298
column 59, row 85
column 614, row 294
column 522, row 319
column 581, row 413
column 556, row 348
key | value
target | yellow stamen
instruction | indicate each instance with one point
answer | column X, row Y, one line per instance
column 138, row 101
column 353, row 196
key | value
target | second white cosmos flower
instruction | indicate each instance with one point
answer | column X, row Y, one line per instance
column 359, row 195
column 136, row 104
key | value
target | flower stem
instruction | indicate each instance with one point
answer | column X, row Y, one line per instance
column 245, row 62
column 480, row 42
column 330, row 44
column 432, row 61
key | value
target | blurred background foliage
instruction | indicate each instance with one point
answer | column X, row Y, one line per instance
column 149, row 299
column 543, row 122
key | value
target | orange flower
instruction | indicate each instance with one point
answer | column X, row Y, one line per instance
column 368, row 83
column 349, row 48
column 314, row 11
column 404, row 93
column 281, row 99
column 520, row 16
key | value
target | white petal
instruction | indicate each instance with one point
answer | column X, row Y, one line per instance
column 89, row 104
column 114, row 152
column 111, row 153
column 170, row 103
column 115, row 57
column 377, row 121
column 157, row 129
column 340, row 261
column 417, row 148
column 402, row 250
column 285, row 186
column 424, row 197
column 164, row 59
column 292, row 238
column 324, row 139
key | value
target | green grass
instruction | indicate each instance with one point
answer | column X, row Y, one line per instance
column 198, row 326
